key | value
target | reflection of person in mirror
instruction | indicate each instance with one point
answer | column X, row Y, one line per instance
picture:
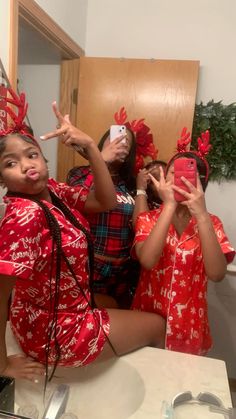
column 112, row 230
column 180, row 246
column 46, row 256
column 147, row 197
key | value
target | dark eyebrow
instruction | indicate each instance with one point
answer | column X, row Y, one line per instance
column 12, row 155
column 8, row 155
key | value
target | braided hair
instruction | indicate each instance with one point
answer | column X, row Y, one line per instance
column 57, row 256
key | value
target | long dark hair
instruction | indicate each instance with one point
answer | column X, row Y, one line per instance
column 126, row 169
column 57, row 257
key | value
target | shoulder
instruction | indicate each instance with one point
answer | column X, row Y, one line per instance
column 217, row 223
column 150, row 216
column 146, row 220
column 73, row 196
column 21, row 214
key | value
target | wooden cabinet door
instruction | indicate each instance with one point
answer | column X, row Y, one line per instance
column 161, row 91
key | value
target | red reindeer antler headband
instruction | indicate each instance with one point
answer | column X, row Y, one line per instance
column 202, row 150
column 144, row 138
column 18, row 126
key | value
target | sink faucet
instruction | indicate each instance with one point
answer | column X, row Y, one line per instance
column 57, row 403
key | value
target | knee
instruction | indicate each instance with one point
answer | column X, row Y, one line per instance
column 161, row 332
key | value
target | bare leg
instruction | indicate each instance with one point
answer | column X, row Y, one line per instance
column 130, row 330
column 105, row 301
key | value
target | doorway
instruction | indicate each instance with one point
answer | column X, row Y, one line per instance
column 37, row 47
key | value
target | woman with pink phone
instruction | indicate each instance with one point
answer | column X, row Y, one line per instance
column 180, row 246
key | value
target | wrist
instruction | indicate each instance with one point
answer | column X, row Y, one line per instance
column 202, row 217
column 90, row 144
column 170, row 206
column 106, row 159
column 141, row 192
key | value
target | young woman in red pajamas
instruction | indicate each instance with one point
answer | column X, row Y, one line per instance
column 180, row 247
column 46, row 256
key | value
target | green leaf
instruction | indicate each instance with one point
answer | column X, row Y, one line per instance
column 220, row 120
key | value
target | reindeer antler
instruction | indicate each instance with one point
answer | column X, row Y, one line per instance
column 137, row 124
column 18, row 125
column 121, row 116
column 183, row 141
column 203, row 144
column 20, row 103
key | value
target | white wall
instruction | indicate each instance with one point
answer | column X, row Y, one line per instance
column 221, row 200
column 42, row 82
column 4, row 32
column 70, row 15
column 168, row 29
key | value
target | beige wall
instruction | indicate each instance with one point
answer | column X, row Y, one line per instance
column 184, row 29
column 4, row 32
column 34, row 78
column 71, row 15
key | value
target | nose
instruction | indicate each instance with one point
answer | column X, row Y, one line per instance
column 26, row 164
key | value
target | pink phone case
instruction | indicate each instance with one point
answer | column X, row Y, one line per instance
column 187, row 168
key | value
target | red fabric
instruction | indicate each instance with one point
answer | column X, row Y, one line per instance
column 176, row 287
column 3, row 113
column 25, row 252
column 111, row 230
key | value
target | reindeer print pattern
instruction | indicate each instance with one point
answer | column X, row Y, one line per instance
column 176, row 287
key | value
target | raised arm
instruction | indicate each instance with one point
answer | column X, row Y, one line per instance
column 214, row 259
column 149, row 251
column 103, row 197
column 141, row 204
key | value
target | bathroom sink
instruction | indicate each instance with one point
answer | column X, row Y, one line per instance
column 133, row 386
column 109, row 389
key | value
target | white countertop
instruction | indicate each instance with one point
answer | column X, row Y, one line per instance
column 133, row 386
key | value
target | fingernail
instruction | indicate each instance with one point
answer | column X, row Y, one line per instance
column 42, row 137
column 36, row 381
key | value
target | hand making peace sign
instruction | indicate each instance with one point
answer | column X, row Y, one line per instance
column 70, row 135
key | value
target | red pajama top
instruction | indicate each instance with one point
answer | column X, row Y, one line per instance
column 176, row 287
column 25, row 253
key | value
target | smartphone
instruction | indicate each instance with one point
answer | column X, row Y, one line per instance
column 116, row 131
column 187, row 168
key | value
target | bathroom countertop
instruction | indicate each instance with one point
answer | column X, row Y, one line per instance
column 133, row 386
column 175, row 372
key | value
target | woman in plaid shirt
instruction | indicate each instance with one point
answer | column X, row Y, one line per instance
column 112, row 230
